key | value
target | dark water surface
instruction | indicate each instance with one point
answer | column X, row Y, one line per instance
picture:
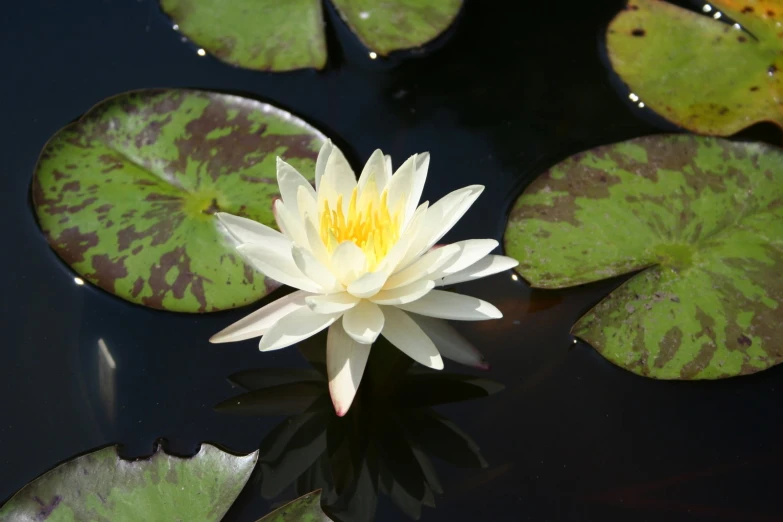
column 515, row 88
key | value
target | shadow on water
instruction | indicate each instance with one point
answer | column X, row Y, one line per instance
column 383, row 445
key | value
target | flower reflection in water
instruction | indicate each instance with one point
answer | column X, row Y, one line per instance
column 383, row 444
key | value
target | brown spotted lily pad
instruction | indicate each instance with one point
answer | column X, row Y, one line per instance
column 701, row 219
column 103, row 486
column 274, row 35
column 692, row 68
column 127, row 195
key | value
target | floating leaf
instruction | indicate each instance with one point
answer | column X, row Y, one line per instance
column 255, row 34
column 703, row 219
column 270, row 35
column 385, row 26
column 698, row 72
column 127, row 195
column 304, row 509
column 102, row 486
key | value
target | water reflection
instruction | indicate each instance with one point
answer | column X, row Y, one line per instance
column 106, row 380
column 384, row 444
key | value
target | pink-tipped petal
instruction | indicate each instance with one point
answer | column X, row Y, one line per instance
column 345, row 363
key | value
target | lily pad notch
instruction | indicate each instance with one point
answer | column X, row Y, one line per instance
column 126, row 196
column 702, row 218
column 274, row 35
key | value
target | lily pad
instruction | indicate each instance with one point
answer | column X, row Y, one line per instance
column 701, row 218
column 385, row 26
column 270, row 35
column 306, row 508
column 697, row 71
column 255, row 34
column 127, row 195
column 102, row 486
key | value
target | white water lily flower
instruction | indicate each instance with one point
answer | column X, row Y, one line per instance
column 363, row 260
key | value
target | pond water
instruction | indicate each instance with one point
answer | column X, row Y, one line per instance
column 514, row 88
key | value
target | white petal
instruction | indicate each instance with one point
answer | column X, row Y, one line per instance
column 364, row 322
column 338, row 180
column 374, row 172
column 401, row 186
column 392, row 260
column 295, row 327
column 308, row 210
column 482, row 268
column 419, row 177
column 429, row 263
column 314, row 270
column 345, row 363
column 280, row 266
column 470, row 251
column 248, row 231
column 331, row 303
column 449, row 342
column 323, row 156
column 289, row 180
column 367, row 285
column 441, row 217
column 261, row 320
column 388, row 163
column 348, row 261
column 448, row 305
column 316, row 244
column 409, row 338
column 404, row 294
column 289, row 223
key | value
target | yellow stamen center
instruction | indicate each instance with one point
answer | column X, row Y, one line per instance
column 368, row 223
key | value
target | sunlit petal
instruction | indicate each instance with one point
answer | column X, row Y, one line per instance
column 331, row 303
column 364, row 322
column 289, row 180
column 423, row 267
column 348, row 262
column 257, row 323
column 403, row 332
column 484, row 267
column 345, row 363
column 374, row 173
column 448, row 305
column 248, row 231
column 295, row 327
column 314, row 270
column 367, row 285
column 280, row 266
column 470, row 251
column 404, row 294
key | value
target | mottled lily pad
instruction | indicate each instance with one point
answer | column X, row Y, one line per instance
column 701, row 218
column 127, row 195
column 697, row 71
column 385, row 26
column 271, row 35
column 102, row 486
column 306, row 508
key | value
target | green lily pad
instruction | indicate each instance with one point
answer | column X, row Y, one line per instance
column 270, row 35
column 702, row 218
column 698, row 72
column 385, row 26
column 102, row 486
column 127, row 195
column 306, row 508
column 255, row 34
